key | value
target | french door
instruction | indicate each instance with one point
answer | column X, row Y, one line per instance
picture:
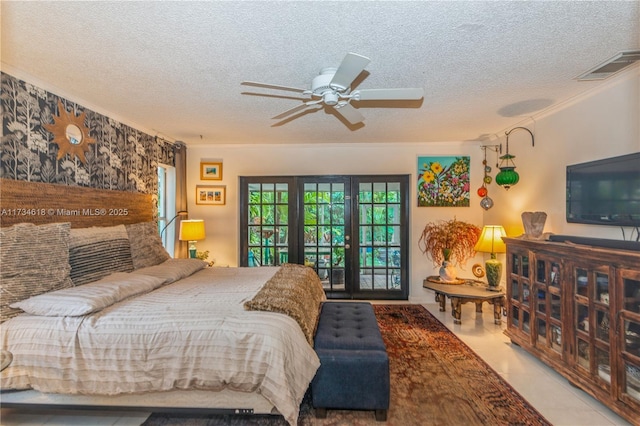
column 352, row 230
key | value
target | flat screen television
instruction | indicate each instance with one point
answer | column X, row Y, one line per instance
column 605, row 192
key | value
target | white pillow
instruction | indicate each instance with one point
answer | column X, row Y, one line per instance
column 90, row 297
column 173, row 270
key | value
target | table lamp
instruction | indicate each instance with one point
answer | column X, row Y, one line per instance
column 490, row 241
column 192, row 231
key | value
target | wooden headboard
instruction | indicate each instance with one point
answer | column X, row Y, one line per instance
column 41, row 203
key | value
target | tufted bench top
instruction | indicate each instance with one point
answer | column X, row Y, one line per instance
column 350, row 326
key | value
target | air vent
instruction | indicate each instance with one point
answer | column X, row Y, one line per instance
column 611, row 66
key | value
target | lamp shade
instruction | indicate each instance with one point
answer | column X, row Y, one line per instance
column 490, row 240
column 192, row 230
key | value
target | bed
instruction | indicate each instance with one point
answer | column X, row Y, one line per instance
column 102, row 317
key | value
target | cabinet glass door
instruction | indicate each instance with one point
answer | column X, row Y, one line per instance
column 548, row 273
column 630, row 332
column 592, row 322
column 519, row 291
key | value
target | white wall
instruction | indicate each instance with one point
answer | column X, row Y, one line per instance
column 222, row 222
column 603, row 123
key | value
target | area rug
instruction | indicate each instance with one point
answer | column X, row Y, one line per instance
column 436, row 379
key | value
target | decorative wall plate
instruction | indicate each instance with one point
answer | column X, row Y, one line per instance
column 478, row 270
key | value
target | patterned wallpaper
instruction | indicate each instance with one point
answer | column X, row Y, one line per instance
column 122, row 158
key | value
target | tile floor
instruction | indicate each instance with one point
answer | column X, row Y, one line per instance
column 551, row 394
column 561, row 403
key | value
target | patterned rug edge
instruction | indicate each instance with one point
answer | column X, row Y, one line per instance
column 470, row 350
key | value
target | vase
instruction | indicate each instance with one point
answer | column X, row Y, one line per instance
column 533, row 223
column 448, row 272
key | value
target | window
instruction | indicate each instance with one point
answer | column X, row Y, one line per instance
column 167, row 206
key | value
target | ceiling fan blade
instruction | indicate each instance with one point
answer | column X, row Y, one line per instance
column 351, row 114
column 388, row 94
column 269, row 95
column 272, row 86
column 352, row 65
column 296, row 109
column 290, row 118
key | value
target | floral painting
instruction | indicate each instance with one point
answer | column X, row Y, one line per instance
column 443, row 181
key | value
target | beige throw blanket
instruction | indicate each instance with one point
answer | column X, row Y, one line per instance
column 296, row 291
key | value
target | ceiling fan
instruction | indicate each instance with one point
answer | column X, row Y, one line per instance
column 332, row 88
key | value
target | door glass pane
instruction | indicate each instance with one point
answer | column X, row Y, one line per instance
column 556, row 338
column 525, row 321
column 365, row 194
column 631, row 295
column 268, row 230
column 541, row 275
column 583, row 353
column 515, row 290
column 380, row 192
column 632, row 337
column 603, row 365
column 632, row 379
column 582, row 318
column 515, row 316
column 555, row 274
column 268, row 215
column 542, row 301
column 602, row 322
column 542, row 331
column 582, row 281
column 525, row 266
column 602, row 288
column 555, row 307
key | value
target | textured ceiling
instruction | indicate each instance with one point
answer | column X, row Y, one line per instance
column 174, row 68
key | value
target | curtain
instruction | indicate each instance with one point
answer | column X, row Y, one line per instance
column 180, row 158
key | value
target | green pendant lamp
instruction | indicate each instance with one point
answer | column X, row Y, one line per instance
column 507, row 177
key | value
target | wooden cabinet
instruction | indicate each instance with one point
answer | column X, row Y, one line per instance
column 577, row 308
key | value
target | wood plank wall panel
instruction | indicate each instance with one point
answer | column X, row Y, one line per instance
column 40, row 203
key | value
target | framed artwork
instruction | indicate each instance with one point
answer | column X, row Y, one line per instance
column 210, row 171
column 443, row 181
column 212, row 195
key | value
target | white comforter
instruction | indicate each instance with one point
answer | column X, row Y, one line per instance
column 193, row 333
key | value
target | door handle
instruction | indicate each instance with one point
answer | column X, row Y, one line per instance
column 347, row 246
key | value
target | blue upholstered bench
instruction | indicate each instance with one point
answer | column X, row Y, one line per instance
column 354, row 365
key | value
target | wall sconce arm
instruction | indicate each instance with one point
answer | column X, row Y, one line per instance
column 516, row 128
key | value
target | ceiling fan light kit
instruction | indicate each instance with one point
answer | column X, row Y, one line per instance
column 332, row 88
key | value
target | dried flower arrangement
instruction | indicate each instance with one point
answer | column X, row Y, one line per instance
column 452, row 240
